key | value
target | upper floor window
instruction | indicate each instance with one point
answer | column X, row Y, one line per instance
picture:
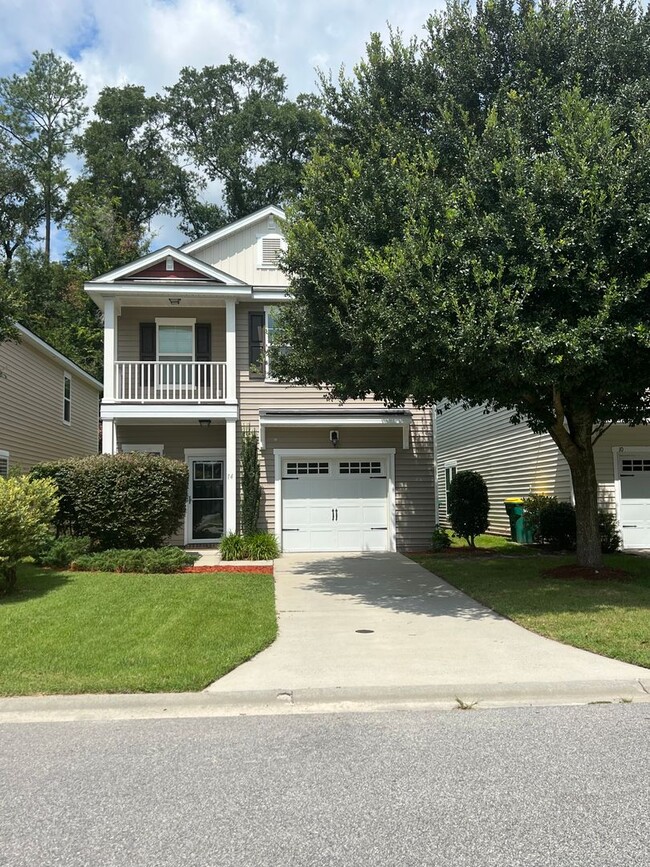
column 261, row 327
column 4, row 464
column 67, row 398
column 175, row 339
column 269, row 249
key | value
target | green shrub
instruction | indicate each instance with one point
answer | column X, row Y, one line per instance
column 150, row 560
column 255, row 546
column 557, row 524
column 251, row 491
column 27, row 507
column 60, row 552
column 533, row 507
column 468, row 505
column 119, row 501
column 440, row 540
column 610, row 539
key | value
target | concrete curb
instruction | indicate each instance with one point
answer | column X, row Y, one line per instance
column 69, row 708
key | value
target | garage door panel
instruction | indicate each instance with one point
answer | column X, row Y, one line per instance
column 635, row 501
column 334, row 510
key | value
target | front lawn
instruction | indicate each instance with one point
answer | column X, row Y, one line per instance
column 74, row 632
column 609, row 617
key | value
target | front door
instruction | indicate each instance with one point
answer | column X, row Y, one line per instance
column 206, row 500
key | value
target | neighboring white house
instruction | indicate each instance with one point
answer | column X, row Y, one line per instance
column 515, row 462
column 49, row 406
column 185, row 337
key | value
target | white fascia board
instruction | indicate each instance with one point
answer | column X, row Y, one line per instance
column 148, row 412
column 150, row 259
column 28, row 337
column 98, row 291
column 237, row 226
column 339, row 421
column 272, row 293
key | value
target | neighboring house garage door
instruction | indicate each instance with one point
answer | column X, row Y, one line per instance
column 335, row 504
column 635, row 501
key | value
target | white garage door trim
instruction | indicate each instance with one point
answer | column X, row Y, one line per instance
column 329, row 454
column 619, row 453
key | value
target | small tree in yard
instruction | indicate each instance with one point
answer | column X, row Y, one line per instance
column 468, row 505
column 250, row 482
column 27, row 507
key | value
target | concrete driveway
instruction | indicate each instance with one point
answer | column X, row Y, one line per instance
column 380, row 621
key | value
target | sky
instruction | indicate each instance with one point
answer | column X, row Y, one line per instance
column 147, row 42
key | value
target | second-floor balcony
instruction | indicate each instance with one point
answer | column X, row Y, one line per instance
column 171, row 382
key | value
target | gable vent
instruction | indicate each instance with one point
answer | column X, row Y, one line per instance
column 271, row 248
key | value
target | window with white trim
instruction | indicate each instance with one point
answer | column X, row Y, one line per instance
column 4, row 464
column 143, row 448
column 450, row 474
column 635, row 465
column 307, row 468
column 67, row 398
column 269, row 249
column 269, row 327
column 365, row 468
column 175, row 339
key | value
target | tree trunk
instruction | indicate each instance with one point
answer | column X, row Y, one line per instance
column 576, row 445
column 585, row 489
column 10, row 574
column 48, row 223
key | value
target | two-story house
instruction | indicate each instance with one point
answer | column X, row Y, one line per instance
column 185, row 370
column 48, row 405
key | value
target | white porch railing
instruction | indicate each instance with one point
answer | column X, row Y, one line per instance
column 170, row 381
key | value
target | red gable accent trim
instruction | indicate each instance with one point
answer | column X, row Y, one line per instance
column 159, row 272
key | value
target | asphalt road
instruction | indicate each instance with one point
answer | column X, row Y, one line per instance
column 555, row 787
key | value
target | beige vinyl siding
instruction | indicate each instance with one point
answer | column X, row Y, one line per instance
column 238, row 255
column 414, row 490
column 174, row 440
column 617, row 436
column 31, row 408
column 513, row 460
column 128, row 327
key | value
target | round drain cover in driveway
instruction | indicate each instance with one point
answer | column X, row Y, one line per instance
column 364, row 631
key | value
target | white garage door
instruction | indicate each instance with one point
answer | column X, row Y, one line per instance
column 335, row 504
column 635, row 501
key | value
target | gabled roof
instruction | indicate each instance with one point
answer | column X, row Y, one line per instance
column 232, row 228
column 133, row 268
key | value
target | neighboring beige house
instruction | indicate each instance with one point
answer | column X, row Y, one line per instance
column 48, row 405
column 515, row 462
column 186, row 332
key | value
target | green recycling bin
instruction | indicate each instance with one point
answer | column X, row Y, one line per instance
column 518, row 530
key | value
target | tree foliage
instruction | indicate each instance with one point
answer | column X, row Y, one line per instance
column 475, row 226
column 40, row 112
column 239, row 128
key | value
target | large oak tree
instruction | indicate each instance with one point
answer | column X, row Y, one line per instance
column 476, row 226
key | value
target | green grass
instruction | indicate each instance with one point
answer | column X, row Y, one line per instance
column 610, row 617
column 76, row 632
column 496, row 544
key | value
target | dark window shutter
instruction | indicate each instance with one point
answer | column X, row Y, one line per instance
column 203, row 335
column 147, row 341
column 256, row 345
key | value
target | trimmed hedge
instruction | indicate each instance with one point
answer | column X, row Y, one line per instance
column 553, row 523
column 468, row 505
column 141, row 560
column 119, row 501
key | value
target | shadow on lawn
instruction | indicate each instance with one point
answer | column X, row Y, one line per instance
column 383, row 581
column 33, row 583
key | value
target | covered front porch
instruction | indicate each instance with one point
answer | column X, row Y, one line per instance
column 209, row 448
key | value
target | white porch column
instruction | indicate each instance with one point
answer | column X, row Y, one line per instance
column 110, row 334
column 231, row 476
column 109, row 446
column 231, row 350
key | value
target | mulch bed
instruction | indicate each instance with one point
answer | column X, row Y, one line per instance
column 263, row 570
column 455, row 552
column 584, row 573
